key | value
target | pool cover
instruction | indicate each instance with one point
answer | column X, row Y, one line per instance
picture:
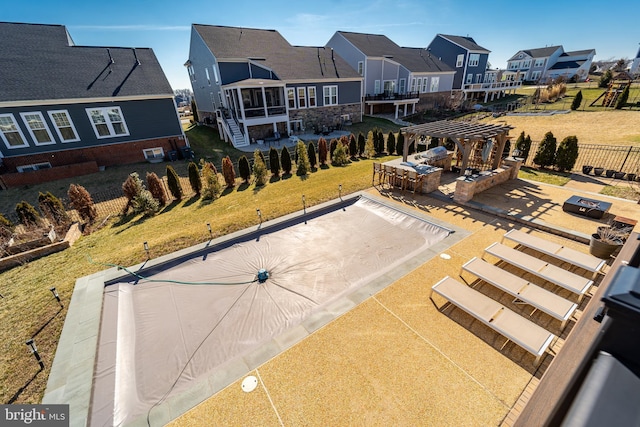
column 165, row 329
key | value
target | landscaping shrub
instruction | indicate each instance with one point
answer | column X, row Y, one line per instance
column 156, row 188
column 194, row 178
column 82, row 202
column 243, row 169
column 340, row 156
column 391, row 143
column 524, row 145
column 322, row 151
column 211, row 182
column 400, row 144
column 260, row 168
column 577, row 100
column 174, row 183
column 131, row 187
column 361, row 144
column 302, row 159
column 145, row 203
column 507, row 149
column 353, row 147
column 622, row 99
column 567, row 153
column 27, row 214
column 53, row 209
column 285, row 160
column 332, row 147
column 433, row 142
column 228, row 172
column 311, row 153
column 274, row 161
column 369, row 147
column 378, row 142
column 6, row 228
column 605, row 79
column 139, row 199
column 194, row 110
column 546, row 154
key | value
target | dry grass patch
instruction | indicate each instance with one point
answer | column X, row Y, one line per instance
column 603, row 127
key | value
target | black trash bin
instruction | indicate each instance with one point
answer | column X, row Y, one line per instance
column 187, row 153
column 173, row 155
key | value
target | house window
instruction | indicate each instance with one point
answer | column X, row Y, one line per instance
column 469, row 78
column 215, row 74
column 418, row 84
column 460, row 60
column 302, row 98
column 153, row 153
column 535, row 75
column 107, row 122
column 64, row 126
column 474, row 59
column 311, row 91
column 330, row 95
column 11, row 133
column 37, row 128
column 435, row 82
column 539, row 63
column 413, row 85
column 291, row 98
column 526, row 64
column 376, row 87
column 33, row 167
column 389, row 87
column 425, row 82
column 402, row 87
column 192, row 73
column 478, row 78
column 206, row 71
column 361, row 68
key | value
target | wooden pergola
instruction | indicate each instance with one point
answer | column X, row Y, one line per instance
column 480, row 144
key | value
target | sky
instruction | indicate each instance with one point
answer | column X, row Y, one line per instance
column 503, row 27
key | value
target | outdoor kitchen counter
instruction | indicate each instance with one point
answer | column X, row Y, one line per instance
column 431, row 179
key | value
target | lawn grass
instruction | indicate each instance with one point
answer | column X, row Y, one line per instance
column 545, row 176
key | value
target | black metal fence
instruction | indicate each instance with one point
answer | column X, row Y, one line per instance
column 610, row 157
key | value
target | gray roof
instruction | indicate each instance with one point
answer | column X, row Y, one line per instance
column 40, row 62
column 543, row 52
column 414, row 59
column 579, row 52
column 466, row 42
column 268, row 47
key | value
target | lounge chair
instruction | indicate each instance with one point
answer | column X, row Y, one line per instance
column 524, row 292
column 556, row 250
column 549, row 272
column 523, row 332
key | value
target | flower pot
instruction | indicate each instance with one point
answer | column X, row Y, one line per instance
column 586, row 169
column 619, row 175
column 631, row 176
column 598, row 171
column 600, row 249
column 609, row 173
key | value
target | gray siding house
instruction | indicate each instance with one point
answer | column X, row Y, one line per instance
column 254, row 85
column 539, row 65
column 395, row 78
column 67, row 110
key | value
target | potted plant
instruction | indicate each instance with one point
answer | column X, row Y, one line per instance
column 609, row 172
column 606, row 240
column 631, row 176
column 598, row 171
column 586, row 169
column 619, row 175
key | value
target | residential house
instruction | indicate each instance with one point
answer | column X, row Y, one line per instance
column 396, row 78
column 540, row 65
column 67, row 110
column 254, row 85
column 634, row 69
column 471, row 62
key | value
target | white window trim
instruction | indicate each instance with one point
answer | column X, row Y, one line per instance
column 153, row 153
column 425, row 84
column 474, row 59
column 105, row 114
column 435, row 84
column 376, row 87
column 301, row 97
column 361, row 67
column 460, row 60
column 418, row 84
column 33, row 167
column 291, row 91
column 328, row 96
column 310, row 90
column 73, row 127
column 469, row 78
column 402, row 86
column 206, row 71
column 33, row 135
column 4, row 138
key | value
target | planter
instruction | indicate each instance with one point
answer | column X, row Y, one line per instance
column 609, row 173
column 619, row 175
column 586, row 169
column 600, row 249
column 598, row 171
column 631, row 176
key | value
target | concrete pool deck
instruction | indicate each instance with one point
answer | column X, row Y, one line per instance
column 390, row 355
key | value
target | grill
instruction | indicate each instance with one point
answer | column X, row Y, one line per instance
column 435, row 154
